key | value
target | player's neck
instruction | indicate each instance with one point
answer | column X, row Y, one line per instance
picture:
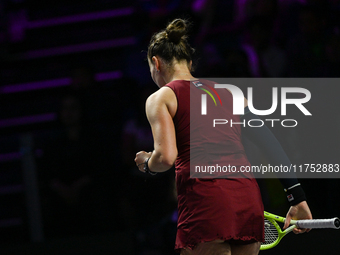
column 180, row 71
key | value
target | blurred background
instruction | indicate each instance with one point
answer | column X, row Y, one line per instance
column 73, row 84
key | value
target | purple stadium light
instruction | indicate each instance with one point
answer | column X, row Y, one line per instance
column 10, row 189
column 108, row 76
column 35, row 85
column 78, row 48
column 10, row 222
column 80, row 18
column 15, row 88
column 28, row 120
column 10, row 156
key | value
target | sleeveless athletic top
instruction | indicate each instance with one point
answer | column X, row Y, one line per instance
column 228, row 208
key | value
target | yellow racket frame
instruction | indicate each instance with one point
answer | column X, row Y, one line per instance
column 274, row 219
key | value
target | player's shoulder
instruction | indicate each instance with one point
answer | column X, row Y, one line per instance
column 162, row 95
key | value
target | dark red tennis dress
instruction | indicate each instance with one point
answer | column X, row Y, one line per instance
column 230, row 209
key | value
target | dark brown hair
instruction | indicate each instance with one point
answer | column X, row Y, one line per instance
column 171, row 43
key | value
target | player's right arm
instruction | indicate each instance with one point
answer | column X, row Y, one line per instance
column 270, row 146
column 160, row 111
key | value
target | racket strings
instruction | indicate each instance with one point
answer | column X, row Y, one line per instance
column 270, row 232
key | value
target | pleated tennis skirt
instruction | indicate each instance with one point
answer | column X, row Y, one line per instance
column 224, row 209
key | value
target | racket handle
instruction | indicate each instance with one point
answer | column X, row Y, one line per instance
column 324, row 223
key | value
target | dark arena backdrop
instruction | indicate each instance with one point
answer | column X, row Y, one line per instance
column 73, row 84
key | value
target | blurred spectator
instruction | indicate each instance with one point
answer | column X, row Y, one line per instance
column 74, row 178
column 306, row 50
column 101, row 107
column 266, row 59
column 246, row 9
column 98, row 105
column 214, row 66
column 212, row 19
column 160, row 12
column 331, row 67
column 83, row 84
column 237, row 64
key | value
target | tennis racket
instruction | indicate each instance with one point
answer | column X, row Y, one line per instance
column 273, row 233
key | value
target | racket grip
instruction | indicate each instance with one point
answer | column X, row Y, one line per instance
column 324, row 223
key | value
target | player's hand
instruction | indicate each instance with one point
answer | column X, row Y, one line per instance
column 140, row 159
column 300, row 211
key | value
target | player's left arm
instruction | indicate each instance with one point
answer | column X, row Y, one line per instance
column 165, row 150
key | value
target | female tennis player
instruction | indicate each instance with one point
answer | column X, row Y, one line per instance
column 215, row 216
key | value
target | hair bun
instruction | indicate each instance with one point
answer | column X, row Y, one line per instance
column 176, row 30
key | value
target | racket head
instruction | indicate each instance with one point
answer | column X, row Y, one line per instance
column 273, row 232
